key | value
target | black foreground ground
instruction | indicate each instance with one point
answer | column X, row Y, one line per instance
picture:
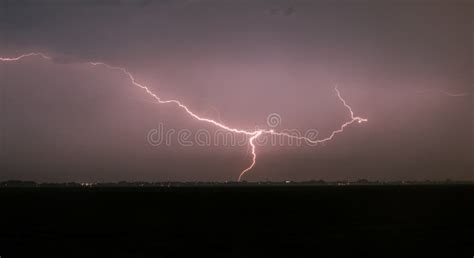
column 265, row 221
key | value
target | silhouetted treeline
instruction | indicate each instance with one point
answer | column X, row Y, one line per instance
column 19, row 183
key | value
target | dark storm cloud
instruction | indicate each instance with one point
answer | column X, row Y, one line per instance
column 67, row 121
column 64, row 3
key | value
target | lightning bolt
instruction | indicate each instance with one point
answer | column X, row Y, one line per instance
column 11, row 59
column 253, row 135
column 254, row 154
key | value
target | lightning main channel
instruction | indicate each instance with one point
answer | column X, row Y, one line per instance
column 253, row 135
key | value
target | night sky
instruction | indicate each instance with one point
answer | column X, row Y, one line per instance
column 237, row 61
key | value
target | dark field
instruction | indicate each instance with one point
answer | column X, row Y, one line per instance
column 268, row 221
